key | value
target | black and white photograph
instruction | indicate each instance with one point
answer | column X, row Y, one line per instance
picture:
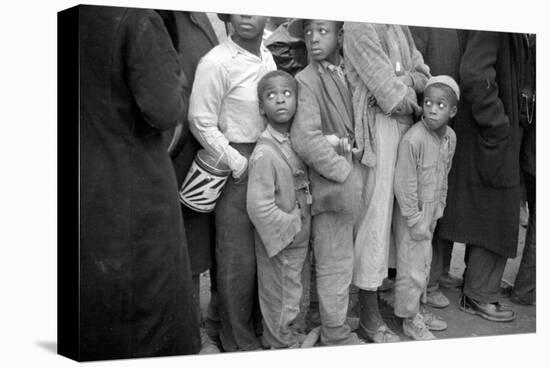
column 246, row 184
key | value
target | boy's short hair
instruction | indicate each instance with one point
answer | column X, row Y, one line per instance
column 446, row 83
column 264, row 82
column 296, row 26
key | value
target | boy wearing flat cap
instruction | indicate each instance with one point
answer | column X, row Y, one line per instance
column 420, row 185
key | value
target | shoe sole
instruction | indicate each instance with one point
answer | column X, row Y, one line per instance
column 413, row 338
column 436, row 329
column 486, row 317
column 436, row 305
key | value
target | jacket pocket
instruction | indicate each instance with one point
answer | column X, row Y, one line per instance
column 495, row 154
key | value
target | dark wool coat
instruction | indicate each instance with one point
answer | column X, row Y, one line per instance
column 484, row 182
column 135, row 296
column 193, row 36
column 527, row 111
column 440, row 49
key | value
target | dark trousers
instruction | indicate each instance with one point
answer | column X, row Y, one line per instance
column 526, row 282
column 236, row 267
column 442, row 250
column 483, row 274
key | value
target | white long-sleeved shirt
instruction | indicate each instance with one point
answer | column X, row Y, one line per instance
column 224, row 106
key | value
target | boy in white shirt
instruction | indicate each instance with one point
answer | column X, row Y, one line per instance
column 225, row 119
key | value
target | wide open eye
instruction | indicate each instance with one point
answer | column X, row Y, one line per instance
column 323, row 31
column 427, row 103
column 288, row 93
column 308, row 32
column 442, row 105
column 270, row 95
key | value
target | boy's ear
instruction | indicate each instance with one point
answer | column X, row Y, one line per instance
column 341, row 36
column 454, row 110
column 261, row 107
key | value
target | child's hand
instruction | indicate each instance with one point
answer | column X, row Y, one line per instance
column 333, row 140
column 297, row 212
column 420, row 231
column 408, row 105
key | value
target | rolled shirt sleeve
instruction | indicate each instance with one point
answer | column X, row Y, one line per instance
column 211, row 82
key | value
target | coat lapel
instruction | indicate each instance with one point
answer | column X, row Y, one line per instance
column 342, row 104
column 202, row 21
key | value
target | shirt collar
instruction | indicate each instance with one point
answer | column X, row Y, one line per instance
column 432, row 133
column 236, row 49
column 324, row 64
column 280, row 138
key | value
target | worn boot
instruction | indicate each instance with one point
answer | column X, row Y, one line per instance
column 371, row 325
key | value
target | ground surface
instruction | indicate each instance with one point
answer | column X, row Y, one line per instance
column 460, row 324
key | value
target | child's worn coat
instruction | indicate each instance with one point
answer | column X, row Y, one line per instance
column 324, row 108
column 278, row 208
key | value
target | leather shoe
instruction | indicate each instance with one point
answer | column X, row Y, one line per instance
column 489, row 311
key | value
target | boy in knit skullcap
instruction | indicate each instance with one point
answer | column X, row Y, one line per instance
column 423, row 163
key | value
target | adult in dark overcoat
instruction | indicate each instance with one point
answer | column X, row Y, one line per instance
column 193, row 36
column 135, row 295
column 484, row 183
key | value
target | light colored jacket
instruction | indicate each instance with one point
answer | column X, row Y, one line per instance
column 372, row 52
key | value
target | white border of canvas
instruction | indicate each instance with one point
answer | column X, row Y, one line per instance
column 29, row 187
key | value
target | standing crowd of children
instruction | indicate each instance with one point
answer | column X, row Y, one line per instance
column 339, row 171
column 348, row 160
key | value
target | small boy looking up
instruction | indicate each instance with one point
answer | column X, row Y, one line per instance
column 423, row 163
column 325, row 110
column 277, row 203
column 224, row 117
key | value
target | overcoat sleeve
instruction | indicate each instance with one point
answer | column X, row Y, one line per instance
column 154, row 74
column 479, row 87
column 374, row 67
column 421, row 71
column 421, row 37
